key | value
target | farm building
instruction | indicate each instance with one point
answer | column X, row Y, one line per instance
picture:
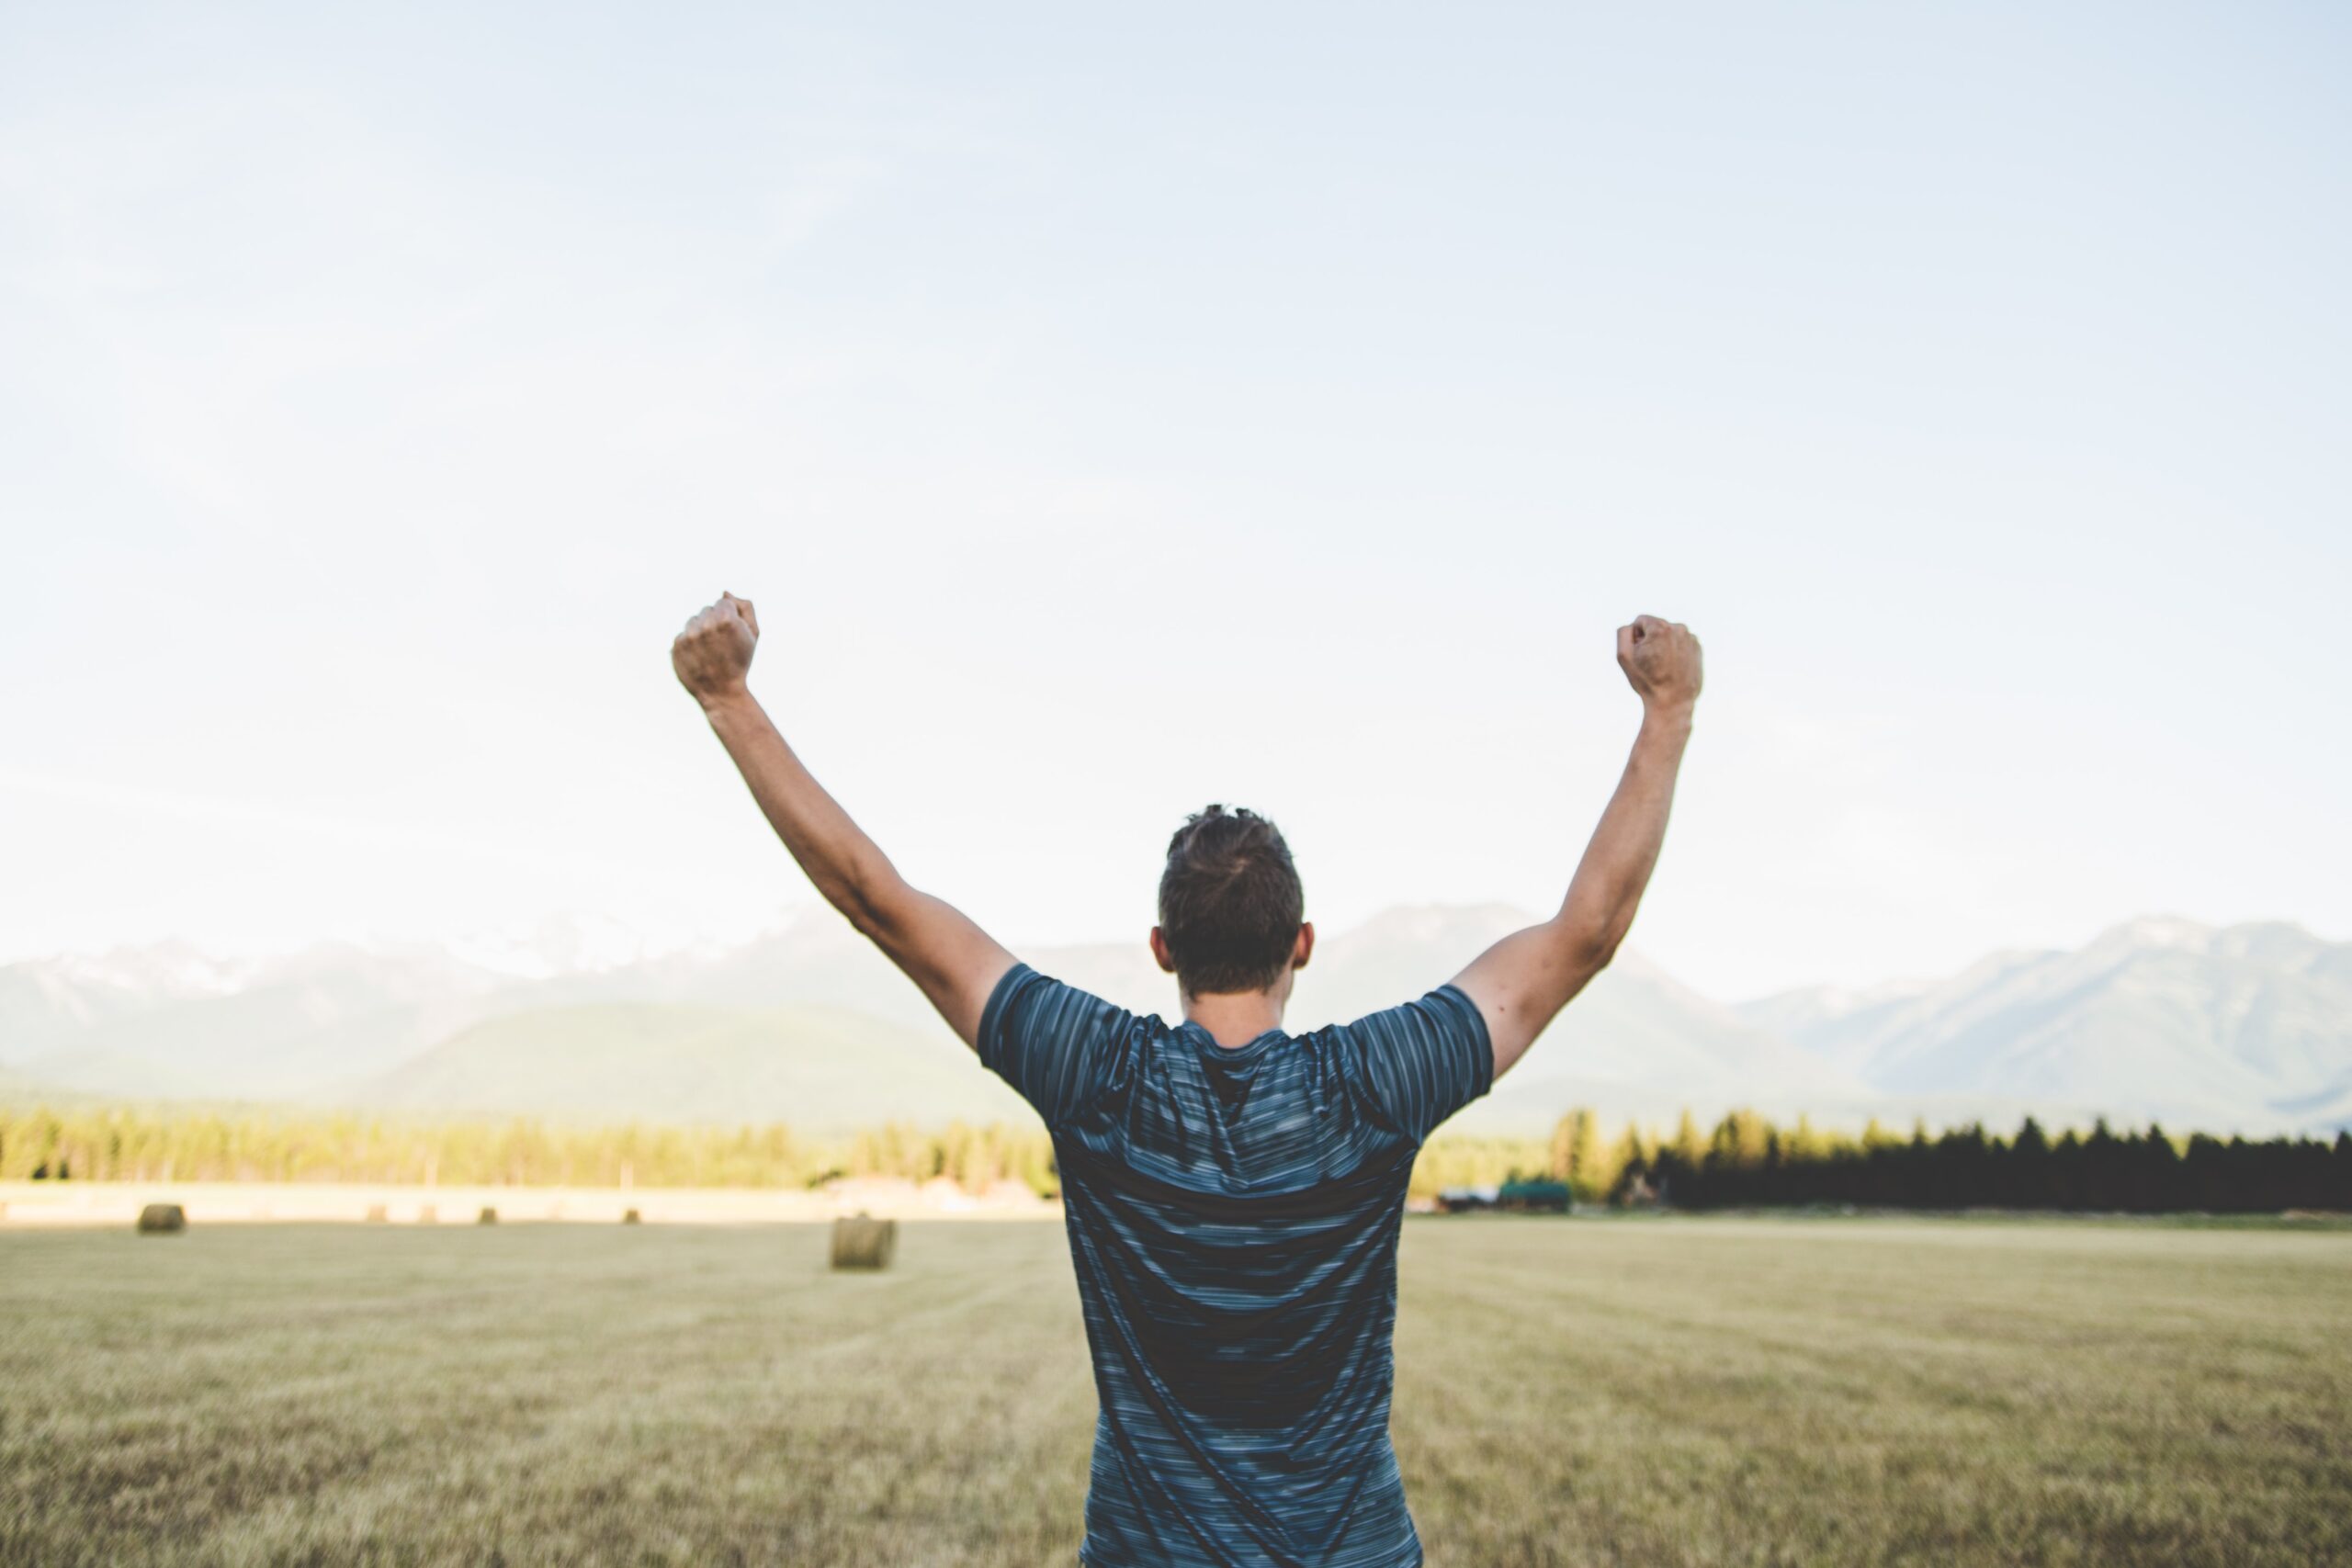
column 1542, row 1197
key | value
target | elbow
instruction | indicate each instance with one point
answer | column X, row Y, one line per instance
column 866, row 914
column 1597, row 951
column 1592, row 923
column 1592, row 948
column 876, row 902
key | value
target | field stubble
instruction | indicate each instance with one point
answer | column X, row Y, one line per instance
column 1749, row 1391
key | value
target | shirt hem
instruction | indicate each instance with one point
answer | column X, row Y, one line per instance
column 1486, row 1059
column 992, row 1016
column 1414, row 1558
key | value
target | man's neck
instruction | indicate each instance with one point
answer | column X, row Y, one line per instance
column 1236, row 1018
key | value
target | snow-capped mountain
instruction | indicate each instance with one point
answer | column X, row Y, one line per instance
column 2240, row 1026
column 2247, row 1028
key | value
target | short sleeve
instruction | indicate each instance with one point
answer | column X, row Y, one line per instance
column 1062, row 1048
column 1417, row 1064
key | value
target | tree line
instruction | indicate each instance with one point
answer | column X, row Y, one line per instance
column 207, row 1146
column 1745, row 1160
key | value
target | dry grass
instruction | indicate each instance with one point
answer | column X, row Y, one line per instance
column 1654, row 1392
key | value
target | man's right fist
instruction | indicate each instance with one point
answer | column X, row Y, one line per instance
column 1661, row 658
column 713, row 654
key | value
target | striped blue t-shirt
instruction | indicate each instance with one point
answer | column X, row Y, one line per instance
column 1233, row 1219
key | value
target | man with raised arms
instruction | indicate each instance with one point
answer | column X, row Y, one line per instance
column 1232, row 1192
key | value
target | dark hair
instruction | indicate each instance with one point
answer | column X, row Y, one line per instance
column 1230, row 902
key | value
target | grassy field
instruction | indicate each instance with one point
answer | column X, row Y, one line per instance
column 1606, row 1391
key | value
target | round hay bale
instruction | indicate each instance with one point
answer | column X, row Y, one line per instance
column 861, row 1241
column 631, row 1217
column 162, row 1218
column 428, row 1215
column 489, row 1216
column 378, row 1215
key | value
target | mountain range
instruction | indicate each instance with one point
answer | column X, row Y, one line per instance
column 2245, row 1027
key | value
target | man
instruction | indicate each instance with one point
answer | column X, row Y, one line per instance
column 1233, row 1193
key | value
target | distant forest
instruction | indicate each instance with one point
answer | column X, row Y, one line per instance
column 196, row 1145
column 1745, row 1161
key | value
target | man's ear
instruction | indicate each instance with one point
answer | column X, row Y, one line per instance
column 1159, row 951
column 1299, row 954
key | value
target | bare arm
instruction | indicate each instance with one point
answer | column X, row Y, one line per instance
column 954, row 962
column 1522, row 981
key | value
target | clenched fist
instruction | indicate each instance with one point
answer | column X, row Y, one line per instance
column 713, row 654
column 1661, row 658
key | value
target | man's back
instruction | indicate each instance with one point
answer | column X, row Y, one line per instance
column 1232, row 1209
column 1233, row 1215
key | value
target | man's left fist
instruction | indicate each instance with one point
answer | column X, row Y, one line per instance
column 713, row 654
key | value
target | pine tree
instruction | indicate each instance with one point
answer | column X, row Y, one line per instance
column 1592, row 1169
column 1560, row 1163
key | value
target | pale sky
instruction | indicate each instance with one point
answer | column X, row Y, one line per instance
column 1109, row 417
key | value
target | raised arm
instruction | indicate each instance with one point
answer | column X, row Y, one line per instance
column 954, row 962
column 1523, row 980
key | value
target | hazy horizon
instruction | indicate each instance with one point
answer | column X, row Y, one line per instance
column 1110, row 417
column 587, row 942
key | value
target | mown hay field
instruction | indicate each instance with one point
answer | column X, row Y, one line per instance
column 1677, row 1391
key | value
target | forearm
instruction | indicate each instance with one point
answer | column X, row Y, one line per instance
column 956, row 963
column 848, row 869
column 1521, row 984
column 1615, row 870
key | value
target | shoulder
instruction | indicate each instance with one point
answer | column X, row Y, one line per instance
column 1415, row 1063
column 1447, row 1010
column 1030, row 999
column 1028, row 1010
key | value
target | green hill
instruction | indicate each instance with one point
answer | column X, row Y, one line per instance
column 818, row 1069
